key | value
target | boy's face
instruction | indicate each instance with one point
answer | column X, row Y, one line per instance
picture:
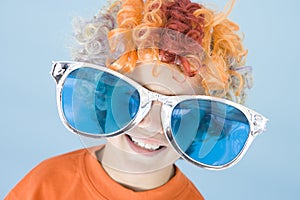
column 146, row 145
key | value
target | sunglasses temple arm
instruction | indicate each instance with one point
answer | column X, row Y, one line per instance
column 259, row 123
column 58, row 69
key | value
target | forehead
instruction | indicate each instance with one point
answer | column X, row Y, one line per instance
column 165, row 79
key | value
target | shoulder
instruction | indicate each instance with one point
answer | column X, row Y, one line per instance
column 59, row 165
column 64, row 160
column 189, row 189
column 50, row 174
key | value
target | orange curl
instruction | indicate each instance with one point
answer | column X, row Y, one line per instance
column 223, row 45
column 125, row 63
column 152, row 16
column 130, row 15
column 119, row 64
column 149, row 54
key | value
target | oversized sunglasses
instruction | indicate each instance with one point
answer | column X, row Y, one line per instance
column 210, row 132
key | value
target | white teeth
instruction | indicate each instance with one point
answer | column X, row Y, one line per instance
column 151, row 147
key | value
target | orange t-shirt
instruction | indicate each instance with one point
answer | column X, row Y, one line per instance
column 78, row 175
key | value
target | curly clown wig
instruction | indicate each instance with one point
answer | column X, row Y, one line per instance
column 199, row 40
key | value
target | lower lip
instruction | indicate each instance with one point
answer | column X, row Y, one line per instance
column 141, row 150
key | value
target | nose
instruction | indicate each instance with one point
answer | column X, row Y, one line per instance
column 152, row 122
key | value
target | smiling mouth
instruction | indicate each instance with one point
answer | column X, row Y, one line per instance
column 141, row 146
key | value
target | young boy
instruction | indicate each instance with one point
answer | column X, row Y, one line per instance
column 156, row 79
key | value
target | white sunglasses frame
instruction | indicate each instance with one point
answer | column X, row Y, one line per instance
column 61, row 69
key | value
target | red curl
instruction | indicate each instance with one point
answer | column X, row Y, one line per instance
column 180, row 18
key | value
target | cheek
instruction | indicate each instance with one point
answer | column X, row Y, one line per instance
column 118, row 141
column 170, row 154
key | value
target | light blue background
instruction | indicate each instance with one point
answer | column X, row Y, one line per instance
column 33, row 33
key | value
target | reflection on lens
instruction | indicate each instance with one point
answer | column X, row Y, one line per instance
column 96, row 102
column 211, row 133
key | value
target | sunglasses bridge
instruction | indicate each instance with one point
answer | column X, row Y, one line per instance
column 153, row 96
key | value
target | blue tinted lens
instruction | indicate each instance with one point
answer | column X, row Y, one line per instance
column 209, row 132
column 97, row 102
